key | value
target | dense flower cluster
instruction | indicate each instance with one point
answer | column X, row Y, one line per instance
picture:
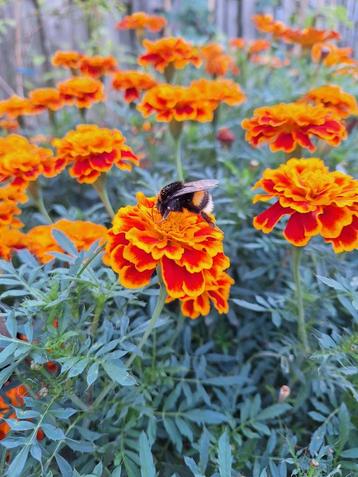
column 97, row 66
column 41, row 242
column 287, row 125
column 333, row 97
column 188, row 250
column 142, row 21
column 318, row 202
column 216, row 61
column 22, row 162
column 42, row 99
column 82, row 91
column 91, row 151
column 169, row 52
column 132, row 82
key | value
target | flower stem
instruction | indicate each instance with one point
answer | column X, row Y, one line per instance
column 35, row 192
column 101, row 189
column 97, row 314
column 301, row 324
column 179, row 165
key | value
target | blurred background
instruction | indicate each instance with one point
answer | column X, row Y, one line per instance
column 31, row 30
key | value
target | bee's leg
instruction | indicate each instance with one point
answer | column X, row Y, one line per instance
column 207, row 218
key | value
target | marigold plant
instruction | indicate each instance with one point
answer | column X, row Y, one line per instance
column 310, row 36
column 218, row 91
column 216, row 61
column 92, row 151
column 97, row 66
column 188, row 250
column 41, row 242
column 333, row 97
column 42, row 99
column 266, row 24
column 331, row 55
column 67, row 59
column 317, row 201
column 15, row 106
column 142, row 21
column 82, row 91
column 285, row 126
column 132, row 82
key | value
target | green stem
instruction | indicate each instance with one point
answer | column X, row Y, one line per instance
column 53, row 121
column 97, row 314
column 178, row 161
column 301, row 324
column 101, row 189
column 35, row 192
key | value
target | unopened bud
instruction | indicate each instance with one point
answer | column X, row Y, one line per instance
column 284, row 393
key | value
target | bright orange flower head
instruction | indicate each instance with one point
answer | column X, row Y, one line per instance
column 11, row 239
column 15, row 106
column 142, row 21
column 22, row 162
column 132, row 82
column 217, row 62
column 45, row 98
column 97, row 66
column 67, row 59
column 331, row 55
column 9, row 124
column 179, row 103
column 287, row 125
column 318, row 202
column 82, row 91
column 267, row 24
column 188, row 250
column 169, row 52
column 41, row 242
column 310, row 36
column 333, row 97
column 218, row 91
column 238, row 43
column 92, row 151
column 258, row 46
column 12, row 397
column 10, row 197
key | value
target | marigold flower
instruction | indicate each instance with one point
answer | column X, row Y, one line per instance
column 132, row 82
column 12, row 397
column 318, row 202
column 287, row 125
column 82, row 91
column 91, row 151
column 22, row 162
column 169, row 52
column 188, row 250
column 45, row 98
column 9, row 198
column 333, row 97
column 267, row 24
column 67, row 59
column 11, row 239
column 218, row 91
column 97, row 66
column 217, row 62
column 142, row 21
column 331, row 55
column 257, row 46
column 310, row 36
column 351, row 70
column 15, row 106
column 41, row 242
column 237, row 43
column 9, row 124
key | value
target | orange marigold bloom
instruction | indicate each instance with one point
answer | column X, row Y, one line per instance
column 169, row 52
column 287, row 125
column 45, row 98
column 11, row 239
column 82, row 91
column 217, row 62
column 310, row 36
column 319, row 202
column 12, row 397
column 142, row 21
column 41, row 242
column 267, row 24
column 15, row 106
column 188, row 250
column 333, row 97
column 97, row 66
column 132, row 82
column 9, row 198
column 9, row 124
column 257, row 46
column 67, row 59
column 218, row 91
column 331, row 55
column 22, row 162
column 91, row 151
column 238, row 43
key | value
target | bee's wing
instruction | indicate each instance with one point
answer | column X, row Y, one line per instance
column 196, row 186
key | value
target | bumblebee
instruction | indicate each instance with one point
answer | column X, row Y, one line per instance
column 193, row 196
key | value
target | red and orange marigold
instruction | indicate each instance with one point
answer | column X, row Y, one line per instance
column 216, row 61
column 41, row 242
column 333, row 97
column 22, row 162
column 132, row 82
column 266, row 24
column 82, row 91
column 174, row 52
column 15, row 106
column 310, row 36
column 285, row 126
column 258, row 46
column 10, row 197
column 317, row 201
column 188, row 250
column 98, row 66
column 12, row 397
column 67, row 59
column 142, row 21
column 11, row 239
column 218, row 91
column 45, row 98
column 91, row 151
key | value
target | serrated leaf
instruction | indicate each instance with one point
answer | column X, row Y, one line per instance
column 206, row 416
column 273, row 411
column 118, row 374
column 65, row 468
column 52, row 432
column 17, row 465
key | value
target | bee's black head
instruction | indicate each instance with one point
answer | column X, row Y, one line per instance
column 166, row 194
